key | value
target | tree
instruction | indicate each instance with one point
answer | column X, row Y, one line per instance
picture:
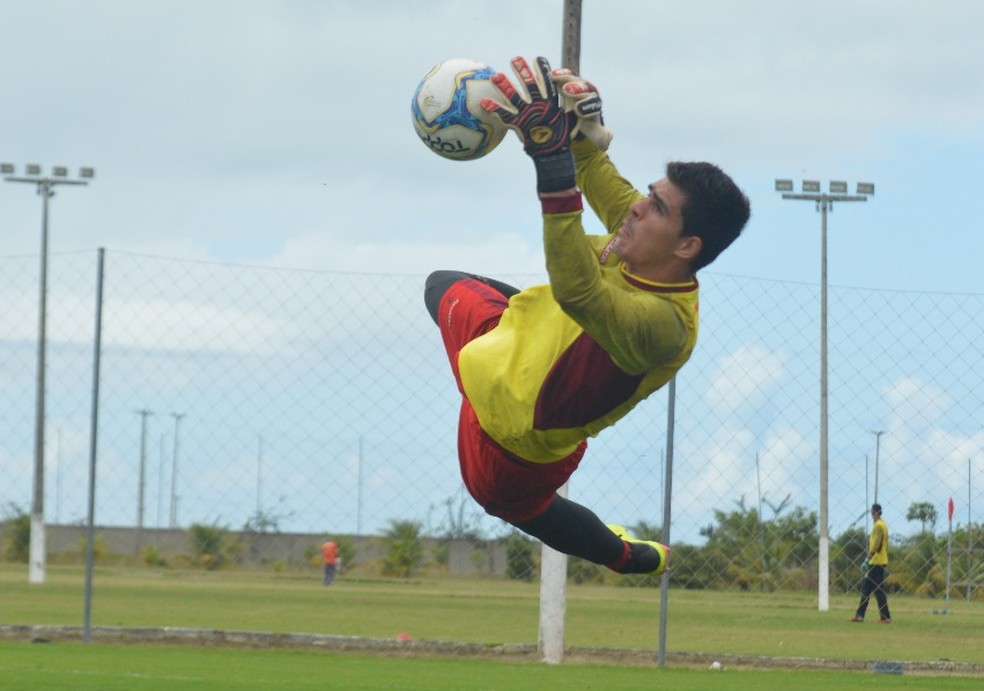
column 758, row 554
column 18, row 544
column 213, row 546
column 404, row 551
column 917, row 565
column 924, row 512
column 461, row 520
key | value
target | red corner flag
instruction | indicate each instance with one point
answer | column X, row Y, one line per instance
column 949, row 509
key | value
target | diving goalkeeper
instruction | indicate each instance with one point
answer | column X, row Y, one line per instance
column 542, row 369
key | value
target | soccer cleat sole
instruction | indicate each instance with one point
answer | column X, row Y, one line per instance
column 661, row 549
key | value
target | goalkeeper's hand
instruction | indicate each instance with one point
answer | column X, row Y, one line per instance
column 865, row 566
column 581, row 97
column 542, row 124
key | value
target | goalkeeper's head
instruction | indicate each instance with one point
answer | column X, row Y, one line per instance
column 716, row 210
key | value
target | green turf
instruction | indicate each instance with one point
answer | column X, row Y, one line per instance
column 79, row 667
column 492, row 612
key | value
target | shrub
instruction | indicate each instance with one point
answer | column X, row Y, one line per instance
column 17, row 546
column 404, row 551
column 213, row 546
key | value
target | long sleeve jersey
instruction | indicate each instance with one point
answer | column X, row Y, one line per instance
column 571, row 358
column 878, row 544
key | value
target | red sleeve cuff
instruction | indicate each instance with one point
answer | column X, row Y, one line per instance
column 571, row 203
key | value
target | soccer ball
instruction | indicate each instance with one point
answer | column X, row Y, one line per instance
column 447, row 111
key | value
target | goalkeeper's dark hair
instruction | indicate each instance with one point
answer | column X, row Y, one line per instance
column 715, row 210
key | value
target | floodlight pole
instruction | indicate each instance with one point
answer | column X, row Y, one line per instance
column 45, row 185
column 878, row 433
column 824, row 202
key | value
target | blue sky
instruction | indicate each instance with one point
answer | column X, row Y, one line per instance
column 278, row 132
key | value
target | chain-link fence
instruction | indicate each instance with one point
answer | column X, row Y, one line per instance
column 256, row 401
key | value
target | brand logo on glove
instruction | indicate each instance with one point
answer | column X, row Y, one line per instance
column 541, row 135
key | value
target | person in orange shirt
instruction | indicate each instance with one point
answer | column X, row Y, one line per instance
column 329, row 556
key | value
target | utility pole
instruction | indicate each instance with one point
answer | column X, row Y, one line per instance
column 824, row 203
column 174, row 472
column 45, row 186
column 141, row 483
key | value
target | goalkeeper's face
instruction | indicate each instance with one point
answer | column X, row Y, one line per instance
column 651, row 242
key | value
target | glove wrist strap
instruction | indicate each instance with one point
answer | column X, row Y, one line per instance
column 555, row 173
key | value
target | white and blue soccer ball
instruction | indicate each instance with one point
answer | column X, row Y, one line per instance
column 447, row 111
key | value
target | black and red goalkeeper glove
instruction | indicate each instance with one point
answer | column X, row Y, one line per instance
column 541, row 121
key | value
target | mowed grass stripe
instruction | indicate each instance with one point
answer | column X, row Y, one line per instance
column 492, row 612
column 84, row 667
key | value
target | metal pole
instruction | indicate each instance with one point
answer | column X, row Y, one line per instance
column 664, row 585
column 553, row 566
column 37, row 549
column 571, row 40
column 141, row 482
column 949, row 553
column 37, row 546
column 761, row 520
column 93, row 446
column 824, row 202
column 259, row 476
column 878, row 434
column 970, row 538
column 174, row 472
column 867, row 506
column 58, row 465
column 823, row 576
column 160, row 479
column 553, row 601
column 358, row 502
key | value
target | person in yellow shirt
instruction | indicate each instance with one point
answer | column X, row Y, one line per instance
column 542, row 369
column 874, row 578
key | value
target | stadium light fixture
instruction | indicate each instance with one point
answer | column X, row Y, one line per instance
column 784, row 185
column 33, row 176
column 824, row 202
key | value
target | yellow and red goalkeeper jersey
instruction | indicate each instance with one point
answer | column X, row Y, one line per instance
column 571, row 358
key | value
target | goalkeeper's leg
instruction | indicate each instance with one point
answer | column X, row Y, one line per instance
column 439, row 281
column 573, row 529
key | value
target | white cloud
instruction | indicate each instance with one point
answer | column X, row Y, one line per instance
column 745, row 379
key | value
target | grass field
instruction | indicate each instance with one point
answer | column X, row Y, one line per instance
column 741, row 629
column 79, row 667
